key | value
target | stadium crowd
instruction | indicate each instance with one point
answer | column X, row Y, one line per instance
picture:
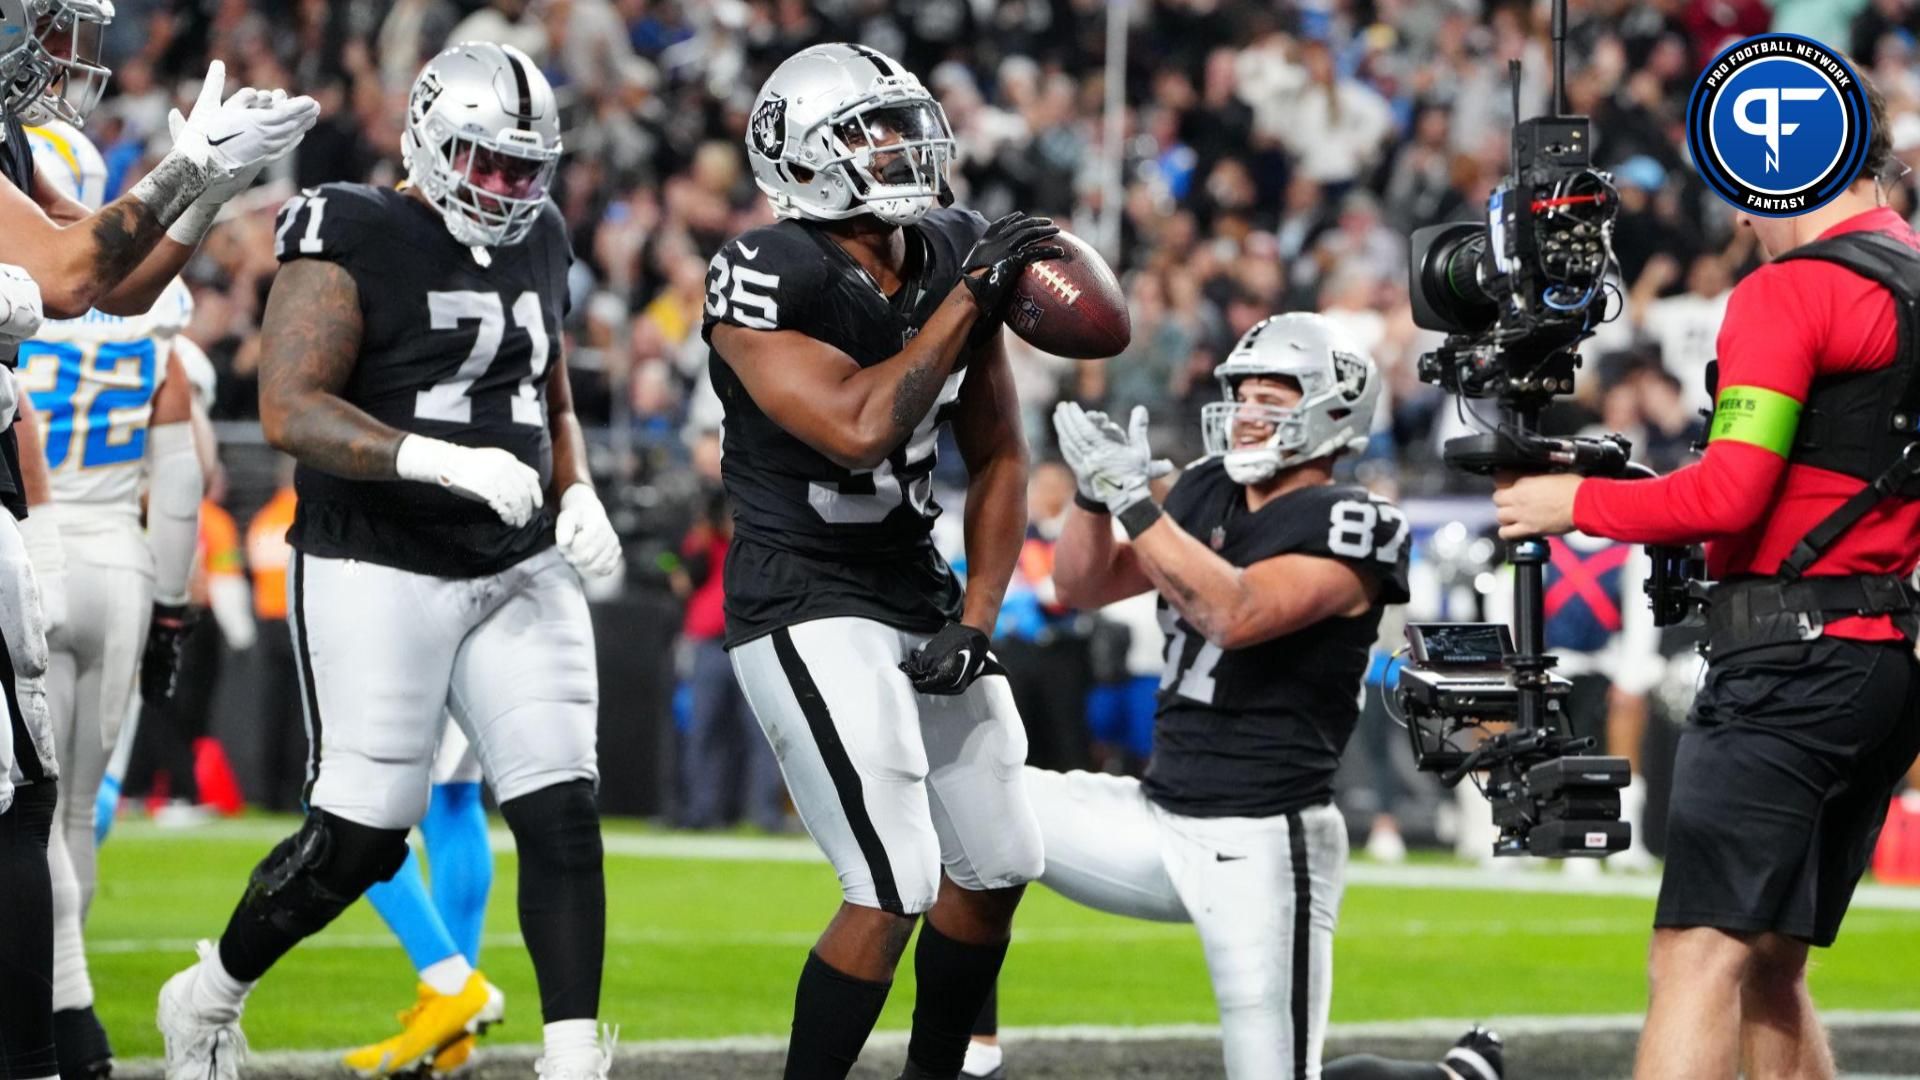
column 1275, row 158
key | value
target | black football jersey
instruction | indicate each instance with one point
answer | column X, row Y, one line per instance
column 1258, row 731
column 813, row 539
column 456, row 345
column 16, row 161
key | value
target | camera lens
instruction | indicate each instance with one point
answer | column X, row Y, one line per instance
column 1447, row 290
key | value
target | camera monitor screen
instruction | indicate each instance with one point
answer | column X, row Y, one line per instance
column 1476, row 644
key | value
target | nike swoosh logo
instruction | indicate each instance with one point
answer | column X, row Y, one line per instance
column 966, row 659
column 750, row 253
column 1220, row 857
column 223, row 139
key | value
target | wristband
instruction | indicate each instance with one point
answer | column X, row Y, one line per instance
column 1139, row 517
column 1086, row 502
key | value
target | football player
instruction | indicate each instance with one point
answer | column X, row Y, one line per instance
column 117, row 259
column 1271, row 580
column 411, row 363
column 115, row 406
column 845, row 338
column 440, row 932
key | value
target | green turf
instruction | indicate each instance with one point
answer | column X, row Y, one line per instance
column 706, row 948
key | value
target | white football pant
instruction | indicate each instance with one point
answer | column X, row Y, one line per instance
column 894, row 785
column 29, row 731
column 1264, row 893
column 385, row 655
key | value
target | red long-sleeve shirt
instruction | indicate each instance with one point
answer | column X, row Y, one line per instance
column 1785, row 324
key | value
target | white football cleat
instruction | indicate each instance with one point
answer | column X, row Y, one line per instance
column 595, row 1068
column 198, row 1048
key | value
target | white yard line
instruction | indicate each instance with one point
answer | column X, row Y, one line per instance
column 1516, row 876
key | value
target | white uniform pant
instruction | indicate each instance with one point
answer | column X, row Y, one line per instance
column 894, row 785
column 26, row 733
column 385, row 655
column 94, row 659
column 1264, row 893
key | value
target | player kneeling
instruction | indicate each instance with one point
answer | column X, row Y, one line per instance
column 410, row 361
column 1271, row 580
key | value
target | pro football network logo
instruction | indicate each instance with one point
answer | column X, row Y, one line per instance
column 1778, row 124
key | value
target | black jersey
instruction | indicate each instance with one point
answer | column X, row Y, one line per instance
column 456, row 343
column 16, row 161
column 813, row 539
column 1258, row 731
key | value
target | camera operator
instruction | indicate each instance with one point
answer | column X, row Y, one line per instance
column 1806, row 719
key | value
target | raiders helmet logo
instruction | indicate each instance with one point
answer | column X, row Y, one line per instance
column 768, row 128
column 1350, row 371
column 1025, row 315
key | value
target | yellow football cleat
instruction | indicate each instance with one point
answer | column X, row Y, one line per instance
column 454, row 1056
column 431, row 1023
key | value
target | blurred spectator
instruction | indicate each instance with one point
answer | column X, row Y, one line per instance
column 282, row 718
column 1684, row 326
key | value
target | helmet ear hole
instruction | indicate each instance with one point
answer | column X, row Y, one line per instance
column 799, row 173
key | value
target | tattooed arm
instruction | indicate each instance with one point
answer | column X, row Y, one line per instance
column 1233, row 606
column 309, row 341
column 91, row 261
column 853, row 415
column 986, row 427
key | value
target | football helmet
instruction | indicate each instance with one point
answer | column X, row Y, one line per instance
column 482, row 141
column 841, row 130
column 1339, row 387
column 50, row 59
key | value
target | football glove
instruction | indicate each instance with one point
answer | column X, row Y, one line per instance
column 483, row 473
column 1003, row 251
column 1110, row 465
column 584, row 534
column 160, row 664
column 226, row 138
column 949, row 661
column 20, row 314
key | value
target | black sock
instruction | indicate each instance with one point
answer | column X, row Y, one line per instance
column 954, row 980
column 563, row 896
column 1368, row 1067
column 26, row 932
column 988, row 1023
column 833, row 1013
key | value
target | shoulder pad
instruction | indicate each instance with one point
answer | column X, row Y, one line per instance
column 765, row 279
column 330, row 222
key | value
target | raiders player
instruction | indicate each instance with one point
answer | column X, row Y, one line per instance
column 117, row 259
column 116, row 406
column 410, row 362
column 1271, row 580
column 845, row 337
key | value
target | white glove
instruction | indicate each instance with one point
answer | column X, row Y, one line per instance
column 484, row 473
column 1113, row 466
column 584, row 534
column 246, row 130
column 20, row 312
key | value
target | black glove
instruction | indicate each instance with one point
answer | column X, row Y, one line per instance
column 1003, row 251
column 161, row 662
column 950, row 661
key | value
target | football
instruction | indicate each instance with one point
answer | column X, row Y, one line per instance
column 1071, row 306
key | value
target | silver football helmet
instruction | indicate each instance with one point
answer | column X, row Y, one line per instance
column 50, row 59
column 1339, row 387
column 841, row 130
column 482, row 141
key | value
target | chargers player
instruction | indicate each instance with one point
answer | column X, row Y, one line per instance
column 1271, row 580
column 440, row 932
column 411, row 364
column 115, row 406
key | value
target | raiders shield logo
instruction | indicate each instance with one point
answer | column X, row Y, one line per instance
column 768, row 127
column 1351, row 373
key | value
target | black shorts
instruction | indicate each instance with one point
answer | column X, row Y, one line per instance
column 1782, row 782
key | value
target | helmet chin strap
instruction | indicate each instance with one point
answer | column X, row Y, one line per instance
column 1255, row 466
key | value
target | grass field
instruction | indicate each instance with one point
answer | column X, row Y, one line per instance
column 703, row 946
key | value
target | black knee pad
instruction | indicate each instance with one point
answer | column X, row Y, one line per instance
column 557, row 828
column 313, row 875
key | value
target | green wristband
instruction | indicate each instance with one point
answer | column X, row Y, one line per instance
column 1756, row 416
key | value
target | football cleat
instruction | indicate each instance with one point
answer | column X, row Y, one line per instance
column 452, row 1057
column 197, row 1048
column 427, row 1026
column 1479, row 1055
column 595, row 1068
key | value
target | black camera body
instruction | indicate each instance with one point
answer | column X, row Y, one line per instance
column 1515, row 295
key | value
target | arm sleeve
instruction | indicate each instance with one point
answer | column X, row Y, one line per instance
column 173, row 510
column 1768, row 342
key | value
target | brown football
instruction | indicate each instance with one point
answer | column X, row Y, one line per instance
column 1071, row 306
